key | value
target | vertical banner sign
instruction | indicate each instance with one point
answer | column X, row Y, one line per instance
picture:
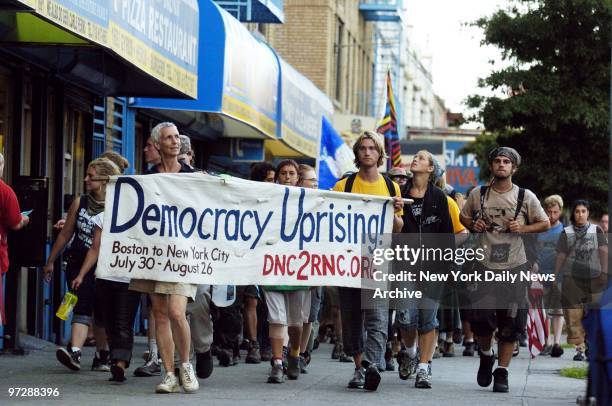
column 201, row 229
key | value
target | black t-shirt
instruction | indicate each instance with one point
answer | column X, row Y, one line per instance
column 184, row 168
column 417, row 207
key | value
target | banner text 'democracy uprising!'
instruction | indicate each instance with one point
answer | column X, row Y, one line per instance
column 202, row 229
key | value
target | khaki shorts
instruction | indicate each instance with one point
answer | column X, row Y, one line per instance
column 164, row 288
column 288, row 308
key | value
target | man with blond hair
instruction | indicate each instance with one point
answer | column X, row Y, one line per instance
column 370, row 154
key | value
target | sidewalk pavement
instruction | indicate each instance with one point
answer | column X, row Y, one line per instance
column 532, row 382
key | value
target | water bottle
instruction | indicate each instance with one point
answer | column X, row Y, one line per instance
column 67, row 306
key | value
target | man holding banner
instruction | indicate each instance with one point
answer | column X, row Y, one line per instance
column 369, row 155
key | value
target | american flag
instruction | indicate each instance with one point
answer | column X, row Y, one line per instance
column 388, row 128
column 537, row 324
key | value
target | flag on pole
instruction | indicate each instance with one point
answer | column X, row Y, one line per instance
column 335, row 157
column 537, row 324
column 388, row 128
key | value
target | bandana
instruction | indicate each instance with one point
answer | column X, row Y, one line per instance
column 507, row 152
column 94, row 206
column 438, row 170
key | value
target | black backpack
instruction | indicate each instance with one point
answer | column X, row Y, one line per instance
column 348, row 186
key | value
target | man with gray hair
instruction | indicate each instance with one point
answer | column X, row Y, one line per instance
column 186, row 153
column 10, row 219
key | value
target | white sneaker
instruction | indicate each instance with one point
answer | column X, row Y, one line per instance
column 188, row 378
column 169, row 384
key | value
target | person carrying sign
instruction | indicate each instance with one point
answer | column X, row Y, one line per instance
column 288, row 306
column 428, row 215
column 369, row 155
column 502, row 211
column 169, row 299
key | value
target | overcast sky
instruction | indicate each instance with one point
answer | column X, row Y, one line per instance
column 458, row 59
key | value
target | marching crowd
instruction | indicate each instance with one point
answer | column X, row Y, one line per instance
column 284, row 324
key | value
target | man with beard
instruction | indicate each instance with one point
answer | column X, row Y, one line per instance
column 502, row 211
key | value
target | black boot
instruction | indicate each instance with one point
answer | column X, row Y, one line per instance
column 500, row 383
column 485, row 370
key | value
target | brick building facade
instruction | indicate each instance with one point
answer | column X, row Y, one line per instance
column 329, row 42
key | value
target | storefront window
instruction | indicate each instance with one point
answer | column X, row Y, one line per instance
column 114, row 118
column 75, row 156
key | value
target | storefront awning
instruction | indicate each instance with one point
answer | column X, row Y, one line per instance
column 253, row 92
column 303, row 106
column 255, row 11
column 238, row 80
column 119, row 47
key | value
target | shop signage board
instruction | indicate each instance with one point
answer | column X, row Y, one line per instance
column 160, row 38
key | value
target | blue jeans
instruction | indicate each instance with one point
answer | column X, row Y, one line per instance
column 424, row 320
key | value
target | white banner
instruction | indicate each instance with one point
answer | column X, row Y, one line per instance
column 203, row 229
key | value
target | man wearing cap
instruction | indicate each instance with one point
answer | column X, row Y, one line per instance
column 398, row 175
column 501, row 211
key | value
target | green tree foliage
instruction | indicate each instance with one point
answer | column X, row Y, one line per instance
column 556, row 84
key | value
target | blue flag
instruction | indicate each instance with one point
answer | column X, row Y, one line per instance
column 335, row 157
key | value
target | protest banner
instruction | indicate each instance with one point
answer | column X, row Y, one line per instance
column 203, row 229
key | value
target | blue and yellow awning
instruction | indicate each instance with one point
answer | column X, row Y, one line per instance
column 254, row 92
column 158, row 39
column 238, row 78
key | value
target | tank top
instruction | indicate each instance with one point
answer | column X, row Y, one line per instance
column 83, row 237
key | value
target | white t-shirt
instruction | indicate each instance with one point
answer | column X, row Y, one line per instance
column 98, row 220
